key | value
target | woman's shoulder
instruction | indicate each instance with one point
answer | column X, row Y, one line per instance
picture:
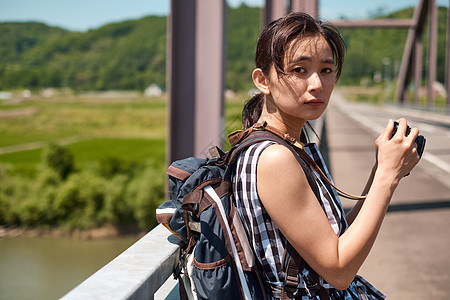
column 255, row 150
column 268, row 150
column 277, row 158
column 272, row 157
column 278, row 153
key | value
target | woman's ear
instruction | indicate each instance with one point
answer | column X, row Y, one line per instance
column 260, row 81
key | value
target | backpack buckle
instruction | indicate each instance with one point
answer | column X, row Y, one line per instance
column 310, row 283
column 290, row 284
column 289, row 139
column 260, row 126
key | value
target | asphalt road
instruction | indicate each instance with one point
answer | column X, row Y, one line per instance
column 411, row 257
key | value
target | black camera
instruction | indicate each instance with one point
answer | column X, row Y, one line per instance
column 420, row 139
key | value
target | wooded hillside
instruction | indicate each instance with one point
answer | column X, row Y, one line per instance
column 131, row 55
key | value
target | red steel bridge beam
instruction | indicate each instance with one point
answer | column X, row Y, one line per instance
column 195, row 76
column 447, row 60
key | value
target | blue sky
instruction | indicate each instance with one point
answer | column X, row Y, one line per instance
column 82, row 15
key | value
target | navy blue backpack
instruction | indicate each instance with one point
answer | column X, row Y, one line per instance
column 217, row 260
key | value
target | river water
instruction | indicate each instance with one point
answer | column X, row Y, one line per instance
column 48, row 268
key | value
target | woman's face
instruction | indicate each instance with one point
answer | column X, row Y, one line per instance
column 306, row 89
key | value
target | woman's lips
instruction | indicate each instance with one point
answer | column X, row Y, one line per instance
column 314, row 102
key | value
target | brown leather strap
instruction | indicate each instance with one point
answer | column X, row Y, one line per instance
column 316, row 168
column 292, row 267
column 298, row 147
column 181, row 289
column 263, row 135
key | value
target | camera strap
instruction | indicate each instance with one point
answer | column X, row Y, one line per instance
column 298, row 147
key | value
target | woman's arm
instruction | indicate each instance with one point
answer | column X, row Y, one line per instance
column 287, row 197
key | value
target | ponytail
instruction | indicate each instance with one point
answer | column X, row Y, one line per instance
column 252, row 110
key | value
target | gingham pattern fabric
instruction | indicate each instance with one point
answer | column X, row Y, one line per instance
column 268, row 242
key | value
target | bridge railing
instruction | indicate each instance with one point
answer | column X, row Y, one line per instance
column 137, row 273
column 141, row 270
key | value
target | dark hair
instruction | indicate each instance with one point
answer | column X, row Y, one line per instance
column 273, row 43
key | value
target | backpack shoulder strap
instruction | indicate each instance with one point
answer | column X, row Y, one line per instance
column 293, row 264
column 240, row 140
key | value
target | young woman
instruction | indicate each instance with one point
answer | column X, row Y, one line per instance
column 298, row 61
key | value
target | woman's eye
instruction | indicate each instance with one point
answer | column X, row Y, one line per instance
column 327, row 71
column 299, row 70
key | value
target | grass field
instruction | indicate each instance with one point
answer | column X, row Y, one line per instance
column 109, row 170
column 53, row 119
column 88, row 152
column 130, row 128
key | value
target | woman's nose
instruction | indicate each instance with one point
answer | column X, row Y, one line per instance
column 314, row 83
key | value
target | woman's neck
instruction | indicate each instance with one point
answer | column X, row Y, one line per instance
column 282, row 122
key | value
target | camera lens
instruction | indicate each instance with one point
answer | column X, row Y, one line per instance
column 420, row 142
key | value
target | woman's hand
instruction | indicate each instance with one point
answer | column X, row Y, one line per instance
column 396, row 156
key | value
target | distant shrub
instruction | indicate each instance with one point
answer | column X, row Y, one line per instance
column 79, row 200
column 110, row 166
column 47, row 177
column 60, row 159
column 13, row 191
column 120, row 193
column 6, row 191
column 145, row 193
column 116, row 209
column 33, row 213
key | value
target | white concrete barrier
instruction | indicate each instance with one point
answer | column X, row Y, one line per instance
column 136, row 273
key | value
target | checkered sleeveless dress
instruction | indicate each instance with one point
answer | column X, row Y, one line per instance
column 269, row 243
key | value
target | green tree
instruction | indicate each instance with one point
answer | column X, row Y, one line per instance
column 60, row 159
